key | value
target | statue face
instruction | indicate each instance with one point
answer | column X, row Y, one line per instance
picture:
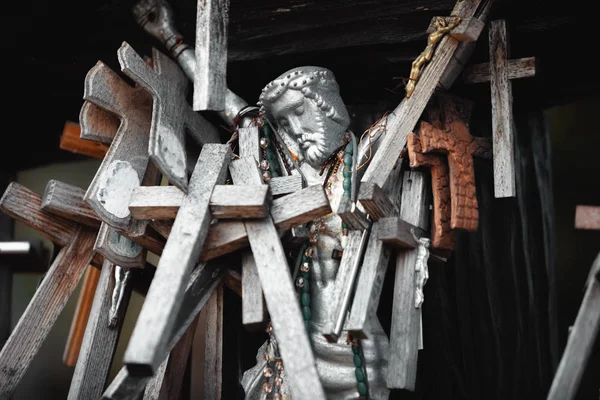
column 303, row 122
column 306, row 106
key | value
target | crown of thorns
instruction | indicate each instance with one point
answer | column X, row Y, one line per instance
column 303, row 81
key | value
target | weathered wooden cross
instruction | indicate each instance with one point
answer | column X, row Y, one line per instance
column 499, row 72
column 583, row 334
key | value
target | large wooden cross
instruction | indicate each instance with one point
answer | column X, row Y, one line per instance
column 583, row 334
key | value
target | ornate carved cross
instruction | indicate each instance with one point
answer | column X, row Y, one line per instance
column 456, row 141
column 442, row 237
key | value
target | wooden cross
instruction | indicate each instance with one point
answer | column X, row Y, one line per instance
column 587, row 323
column 171, row 114
column 202, row 283
column 499, row 72
column 125, row 163
column 59, row 282
column 442, row 237
column 401, row 121
column 456, row 140
column 210, row 83
column 280, row 294
column 181, row 252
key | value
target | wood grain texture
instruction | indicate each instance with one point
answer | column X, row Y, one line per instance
column 43, row 310
column 280, row 295
column 23, row 205
column 253, row 303
column 181, row 252
column 125, row 163
column 519, row 68
column 353, row 217
column 288, row 211
column 213, row 346
column 237, row 202
column 100, row 340
column 210, row 78
column 249, row 142
column 345, row 280
column 398, row 233
column 167, row 383
column 101, row 124
column 406, row 318
column 202, row 283
column 155, row 202
column 587, row 217
column 281, row 185
column 70, row 141
column 502, row 113
column 580, row 342
column 66, row 200
column 81, row 316
column 375, row 201
column 442, row 236
column 376, row 259
column 402, row 120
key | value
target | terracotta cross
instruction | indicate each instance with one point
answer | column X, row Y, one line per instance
column 456, row 141
column 442, row 237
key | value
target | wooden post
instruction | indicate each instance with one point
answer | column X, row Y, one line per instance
column 44, row 309
column 210, row 83
column 278, row 288
column 500, row 71
column 81, row 316
column 587, row 323
column 406, row 318
column 100, row 339
column 213, row 346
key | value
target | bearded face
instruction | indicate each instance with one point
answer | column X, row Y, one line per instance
column 316, row 137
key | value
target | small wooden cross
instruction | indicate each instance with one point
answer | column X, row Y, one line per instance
column 587, row 323
column 456, row 140
column 499, row 72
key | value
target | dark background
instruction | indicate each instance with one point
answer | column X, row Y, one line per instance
column 48, row 47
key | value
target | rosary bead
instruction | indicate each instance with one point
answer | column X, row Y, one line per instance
column 347, row 184
column 268, row 372
column 349, row 148
column 357, row 361
column 362, row 388
column 348, row 160
column 266, row 175
column 310, row 252
column 360, row 375
column 305, row 267
column 306, row 313
column 278, row 381
column 279, row 365
column 305, row 299
column 305, row 288
column 264, row 143
column 277, row 396
column 300, row 282
column 264, row 165
column 267, row 387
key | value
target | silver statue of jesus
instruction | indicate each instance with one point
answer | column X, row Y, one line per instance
column 305, row 106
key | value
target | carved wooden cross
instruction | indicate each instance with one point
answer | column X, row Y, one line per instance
column 456, row 141
column 587, row 323
column 442, row 237
column 171, row 114
column 499, row 72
